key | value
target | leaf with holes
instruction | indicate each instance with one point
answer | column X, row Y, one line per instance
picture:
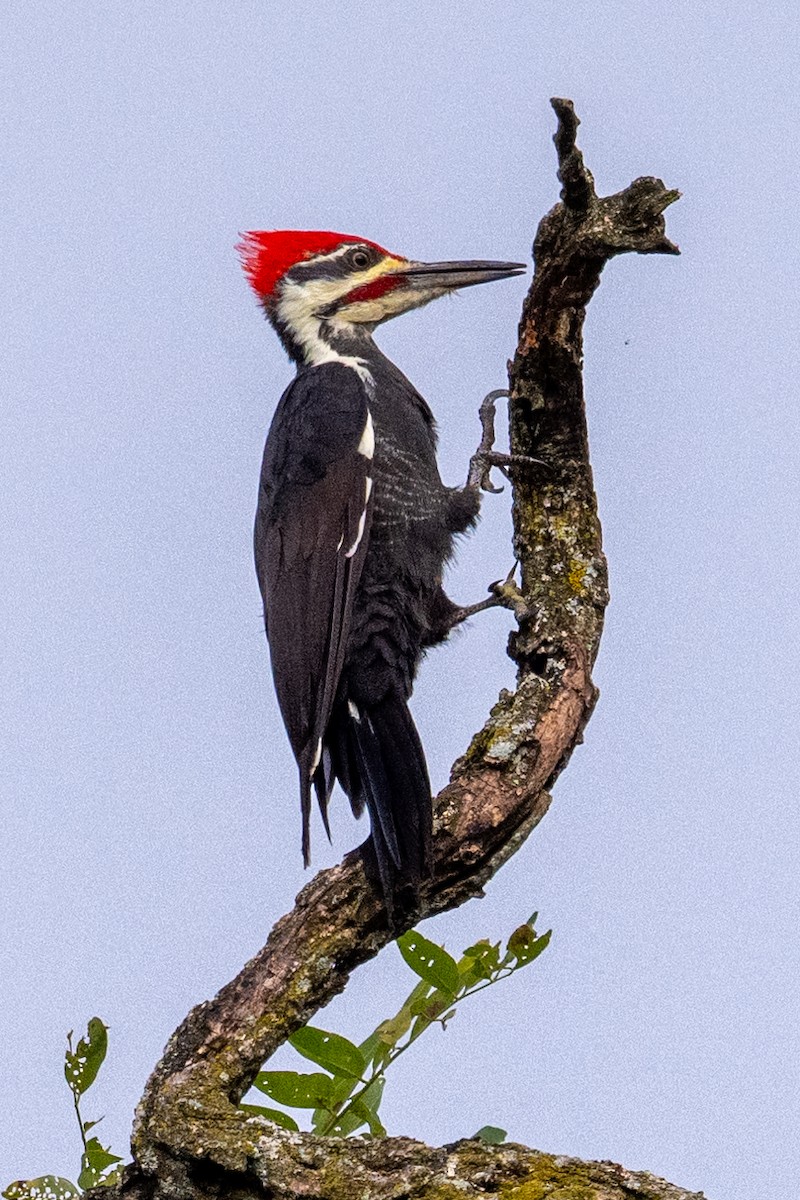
column 296, row 1090
column 82, row 1064
column 329, row 1050
column 485, row 959
column 46, row 1187
column 431, row 962
column 524, row 946
column 96, row 1160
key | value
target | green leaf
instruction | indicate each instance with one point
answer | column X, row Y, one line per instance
column 297, row 1090
column 329, row 1050
column 432, row 1006
column 91, row 1179
column 368, row 1117
column 82, row 1064
column 525, row 946
column 95, row 1160
column 470, row 972
column 521, row 939
column 373, row 1094
column 435, row 1008
column 390, row 1031
column 362, row 1111
column 98, row 1157
column 272, row 1114
column 492, row 1135
column 479, row 949
column 46, row 1187
column 372, row 1045
column 346, row 1123
column 485, row 958
column 111, row 1179
column 429, row 961
column 341, row 1091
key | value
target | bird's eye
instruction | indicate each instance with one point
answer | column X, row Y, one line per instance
column 360, row 259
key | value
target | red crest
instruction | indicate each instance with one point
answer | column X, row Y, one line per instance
column 268, row 254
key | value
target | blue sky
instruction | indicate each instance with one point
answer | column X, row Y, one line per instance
column 148, row 794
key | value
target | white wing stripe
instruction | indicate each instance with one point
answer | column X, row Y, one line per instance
column 367, row 444
column 359, row 535
column 317, row 757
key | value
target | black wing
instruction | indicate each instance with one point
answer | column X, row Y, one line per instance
column 311, row 535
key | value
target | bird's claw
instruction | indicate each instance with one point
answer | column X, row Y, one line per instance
column 509, row 596
column 486, row 457
column 504, row 593
column 480, row 474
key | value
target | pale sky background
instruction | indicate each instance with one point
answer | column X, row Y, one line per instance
column 151, row 825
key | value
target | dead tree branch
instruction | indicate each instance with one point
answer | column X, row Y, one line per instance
column 190, row 1139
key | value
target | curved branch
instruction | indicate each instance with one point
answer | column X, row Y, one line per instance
column 187, row 1126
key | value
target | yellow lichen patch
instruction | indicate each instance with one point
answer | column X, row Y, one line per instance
column 551, row 1180
column 576, row 575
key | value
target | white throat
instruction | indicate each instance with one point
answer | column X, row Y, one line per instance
column 298, row 309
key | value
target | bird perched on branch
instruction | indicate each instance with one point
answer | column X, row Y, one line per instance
column 353, row 530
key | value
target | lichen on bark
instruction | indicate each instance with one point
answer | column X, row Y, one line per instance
column 190, row 1140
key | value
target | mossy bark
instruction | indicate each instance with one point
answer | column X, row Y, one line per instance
column 190, row 1140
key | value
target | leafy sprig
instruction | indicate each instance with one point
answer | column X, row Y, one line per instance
column 99, row 1167
column 345, row 1096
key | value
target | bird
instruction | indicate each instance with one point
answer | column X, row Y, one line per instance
column 353, row 530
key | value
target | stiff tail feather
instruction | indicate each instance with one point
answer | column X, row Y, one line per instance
column 376, row 754
column 391, row 779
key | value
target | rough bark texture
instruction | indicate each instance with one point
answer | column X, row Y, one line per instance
column 190, row 1140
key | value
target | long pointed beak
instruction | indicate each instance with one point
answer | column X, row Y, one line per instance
column 449, row 275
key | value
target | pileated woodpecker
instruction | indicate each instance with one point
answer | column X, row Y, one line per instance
column 353, row 529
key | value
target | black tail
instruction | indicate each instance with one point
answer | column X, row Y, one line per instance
column 378, row 758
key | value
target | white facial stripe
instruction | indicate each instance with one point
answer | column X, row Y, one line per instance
column 354, row 713
column 334, row 254
column 296, row 310
column 366, row 446
column 301, row 304
column 311, row 295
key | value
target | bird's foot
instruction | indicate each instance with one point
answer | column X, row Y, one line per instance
column 508, row 595
column 479, row 476
column 504, row 594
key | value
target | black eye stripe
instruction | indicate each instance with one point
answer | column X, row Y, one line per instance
column 359, row 258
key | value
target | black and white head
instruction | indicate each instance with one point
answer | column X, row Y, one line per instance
column 327, row 291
